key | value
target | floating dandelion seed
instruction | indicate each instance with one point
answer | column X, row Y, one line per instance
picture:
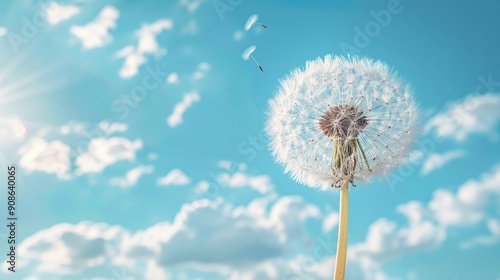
column 341, row 121
column 252, row 20
column 248, row 54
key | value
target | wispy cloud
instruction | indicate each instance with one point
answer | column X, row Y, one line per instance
column 260, row 183
column 475, row 114
column 191, row 28
column 110, row 128
column 56, row 13
column 3, row 31
column 95, row 34
column 49, row 157
column 467, row 205
column 104, row 128
column 135, row 56
column 103, row 152
column 132, row 176
column 180, row 108
column 175, row 177
column 494, row 237
column 72, row 127
column 231, row 165
column 201, row 71
column 330, row 221
column 435, row 161
column 191, row 5
column 202, row 186
column 173, row 78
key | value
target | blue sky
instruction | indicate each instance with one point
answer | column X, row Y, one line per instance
column 137, row 129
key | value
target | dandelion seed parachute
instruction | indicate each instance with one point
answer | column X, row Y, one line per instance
column 355, row 101
column 251, row 20
column 248, row 52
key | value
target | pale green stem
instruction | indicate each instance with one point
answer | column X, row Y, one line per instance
column 342, row 238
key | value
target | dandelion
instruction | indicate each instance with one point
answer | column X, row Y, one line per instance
column 341, row 121
column 252, row 20
column 248, row 54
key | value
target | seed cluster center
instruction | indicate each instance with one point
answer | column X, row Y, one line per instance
column 343, row 121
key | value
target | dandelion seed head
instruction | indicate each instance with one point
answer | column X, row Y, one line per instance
column 341, row 119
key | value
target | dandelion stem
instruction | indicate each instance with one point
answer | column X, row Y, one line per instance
column 254, row 60
column 342, row 239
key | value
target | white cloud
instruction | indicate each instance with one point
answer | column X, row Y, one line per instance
column 426, row 229
column 3, row 31
column 55, row 13
column 385, row 240
column 225, row 164
column 175, row 177
column 198, row 237
column 231, row 165
column 173, row 78
column 72, row 127
column 330, row 222
column 69, row 249
column 191, row 5
column 132, row 176
column 152, row 156
column 483, row 240
column 435, row 161
column 103, row 152
column 96, row 33
column 104, row 128
column 135, row 56
column 260, row 183
column 49, row 157
column 155, row 272
column 299, row 267
column 201, row 71
column 475, row 114
column 202, row 186
column 467, row 205
column 133, row 60
column 147, row 37
column 180, row 108
column 234, row 176
column 494, row 229
column 110, row 128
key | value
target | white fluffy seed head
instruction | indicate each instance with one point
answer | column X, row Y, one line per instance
column 353, row 107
